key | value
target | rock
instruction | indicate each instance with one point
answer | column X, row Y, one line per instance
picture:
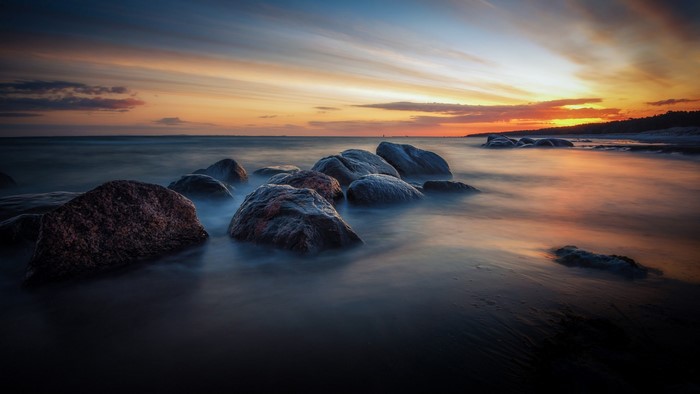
column 226, row 170
column 115, row 224
column 201, row 186
column 499, row 142
column 21, row 228
column 378, row 189
column 289, row 218
column 553, row 142
column 448, row 187
column 274, row 170
column 525, row 141
column 572, row 256
column 409, row 160
column 11, row 206
column 352, row 164
column 6, row 181
column 327, row 186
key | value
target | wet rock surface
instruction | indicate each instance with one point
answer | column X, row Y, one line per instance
column 622, row 265
column 352, row 164
column 377, row 189
column 327, row 186
column 115, row 224
column 274, row 170
column 448, row 187
column 409, row 160
column 200, row 186
column 226, row 170
column 33, row 203
column 289, row 218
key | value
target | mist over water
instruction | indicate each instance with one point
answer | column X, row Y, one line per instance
column 448, row 292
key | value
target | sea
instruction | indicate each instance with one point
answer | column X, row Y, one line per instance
column 450, row 294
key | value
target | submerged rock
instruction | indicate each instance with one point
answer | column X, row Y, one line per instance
column 448, row 187
column 201, row 186
column 289, row 218
column 274, row 170
column 6, row 181
column 572, row 256
column 115, row 224
column 33, row 203
column 553, row 142
column 409, row 160
column 226, row 170
column 327, row 186
column 21, row 228
column 499, row 142
column 379, row 189
column 352, row 164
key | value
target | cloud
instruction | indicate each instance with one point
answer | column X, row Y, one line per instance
column 538, row 111
column 671, row 101
column 321, row 108
column 176, row 121
column 267, row 116
column 18, row 115
column 16, row 98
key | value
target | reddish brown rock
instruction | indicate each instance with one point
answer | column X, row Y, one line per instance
column 290, row 218
column 118, row 223
column 327, row 186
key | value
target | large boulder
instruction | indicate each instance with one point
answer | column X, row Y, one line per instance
column 352, row 164
column 21, row 228
column 33, row 203
column 409, row 160
column 499, row 142
column 226, row 170
column 448, row 187
column 289, row 218
column 378, row 189
column 200, row 186
column 327, row 186
column 6, row 181
column 274, row 170
column 572, row 256
column 115, row 224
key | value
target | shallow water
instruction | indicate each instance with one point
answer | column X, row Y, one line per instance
column 446, row 293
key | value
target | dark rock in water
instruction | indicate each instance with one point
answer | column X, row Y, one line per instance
column 11, row 206
column 377, row 189
column 201, row 186
column 352, row 164
column 226, row 170
column 21, row 228
column 498, row 142
column 290, row 218
column 553, row 142
column 572, row 256
column 115, row 224
column 327, row 186
column 274, row 170
column 6, row 181
column 448, row 187
column 409, row 160
column 525, row 141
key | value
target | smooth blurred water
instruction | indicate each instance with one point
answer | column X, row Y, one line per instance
column 451, row 292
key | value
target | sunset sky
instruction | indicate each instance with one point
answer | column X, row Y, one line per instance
column 304, row 67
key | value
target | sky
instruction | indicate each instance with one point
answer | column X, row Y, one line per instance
column 341, row 68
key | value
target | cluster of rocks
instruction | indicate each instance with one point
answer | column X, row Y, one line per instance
column 122, row 222
column 496, row 141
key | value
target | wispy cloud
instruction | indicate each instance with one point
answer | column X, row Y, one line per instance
column 671, row 101
column 176, row 121
column 22, row 98
column 463, row 113
column 267, row 117
column 322, row 108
